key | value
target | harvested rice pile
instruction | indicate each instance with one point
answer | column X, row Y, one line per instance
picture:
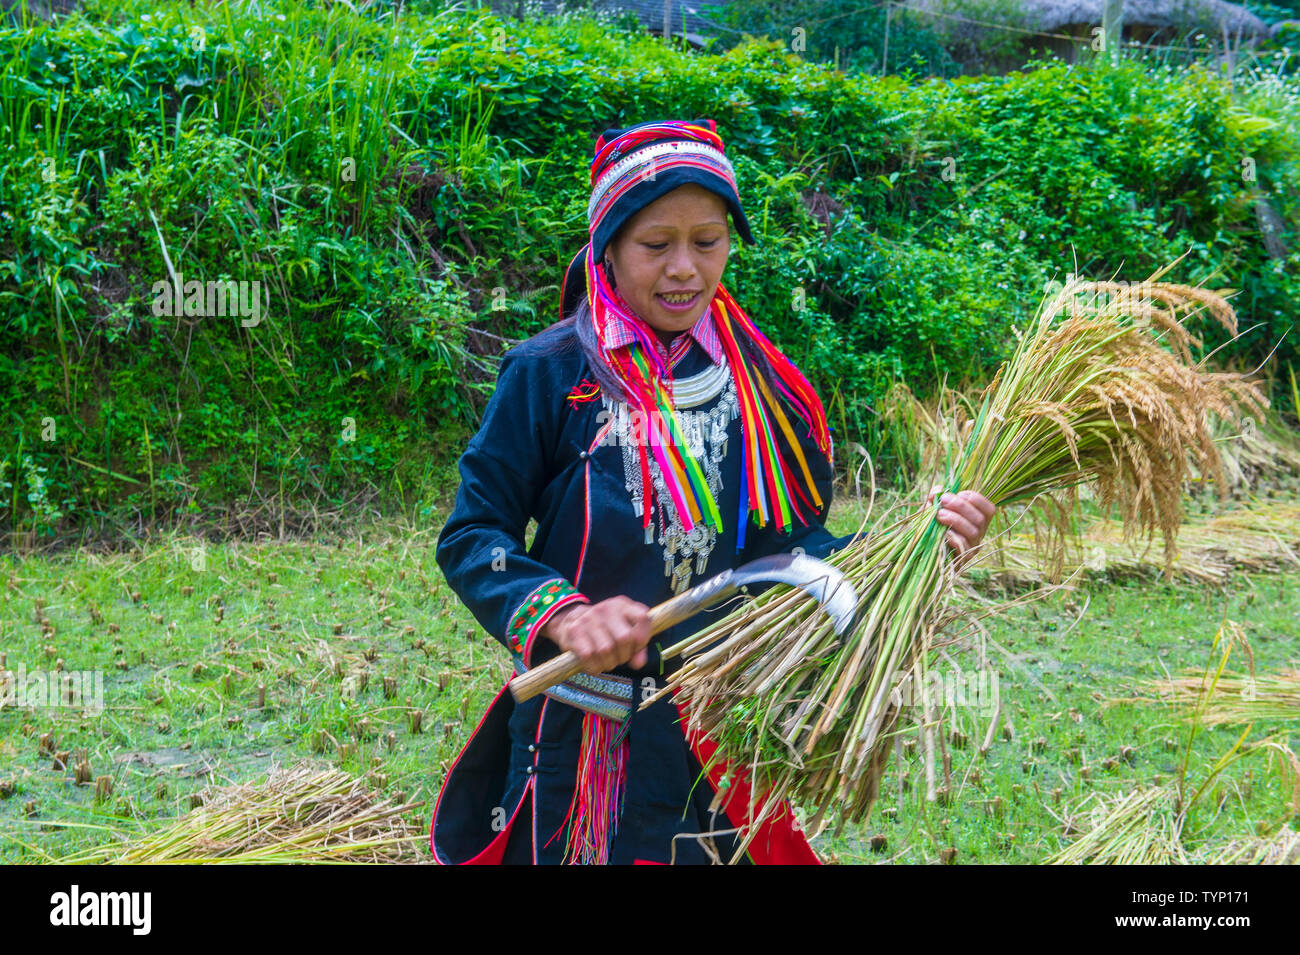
column 1281, row 848
column 1143, row 827
column 1264, row 536
column 1216, row 696
column 1261, row 455
column 1147, row 826
column 293, row 816
column 1239, row 698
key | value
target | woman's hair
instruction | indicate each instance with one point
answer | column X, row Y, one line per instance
column 584, row 330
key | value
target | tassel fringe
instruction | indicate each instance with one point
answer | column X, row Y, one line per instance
column 773, row 489
column 597, row 802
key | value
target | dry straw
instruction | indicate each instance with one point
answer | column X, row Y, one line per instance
column 1281, row 848
column 293, row 816
column 1216, row 697
column 1264, row 536
column 1241, row 698
column 1103, row 391
column 1261, row 454
column 1148, row 826
column 1143, row 827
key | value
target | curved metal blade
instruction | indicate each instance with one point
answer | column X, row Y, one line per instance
column 816, row 577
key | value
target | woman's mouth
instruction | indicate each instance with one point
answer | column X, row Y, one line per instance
column 678, row 302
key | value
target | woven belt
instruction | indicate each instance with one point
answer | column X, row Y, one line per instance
column 607, row 694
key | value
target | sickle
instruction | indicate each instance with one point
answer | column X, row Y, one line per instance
column 817, row 578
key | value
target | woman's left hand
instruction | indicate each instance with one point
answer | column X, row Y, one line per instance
column 966, row 514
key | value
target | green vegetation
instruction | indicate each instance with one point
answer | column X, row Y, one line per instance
column 849, row 34
column 406, row 192
column 189, row 638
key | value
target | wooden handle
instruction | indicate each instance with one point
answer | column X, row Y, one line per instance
column 542, row 678
column 667, row 614
column 676, row 609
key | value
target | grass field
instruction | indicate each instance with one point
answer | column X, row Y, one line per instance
column 220, row 660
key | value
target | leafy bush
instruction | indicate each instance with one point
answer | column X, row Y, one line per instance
column 403, row 194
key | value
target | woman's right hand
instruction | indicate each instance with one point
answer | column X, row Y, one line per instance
column 603, row 635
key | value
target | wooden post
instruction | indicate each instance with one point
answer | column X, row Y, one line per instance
column 884, row 56
column 1226, row 67
column 1112, row 27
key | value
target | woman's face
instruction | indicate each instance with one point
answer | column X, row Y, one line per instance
column 677, row 247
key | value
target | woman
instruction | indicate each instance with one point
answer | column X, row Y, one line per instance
column 657, row 437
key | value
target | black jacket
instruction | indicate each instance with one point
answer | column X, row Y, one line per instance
column 542, row 456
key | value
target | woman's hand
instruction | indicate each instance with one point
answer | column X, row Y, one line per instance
column 966, row 514
column 603, row 635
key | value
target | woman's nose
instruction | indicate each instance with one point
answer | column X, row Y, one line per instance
column 680, row 265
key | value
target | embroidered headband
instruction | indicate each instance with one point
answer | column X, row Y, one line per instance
column 644, row 165
column 633, row 167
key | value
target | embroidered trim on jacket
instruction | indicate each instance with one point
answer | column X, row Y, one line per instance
column 537, row 608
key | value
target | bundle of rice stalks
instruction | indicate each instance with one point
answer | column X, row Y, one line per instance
column 1143, row 827
column 293, row 816
column 1281, row 848
column 1106, row 395
column 1262, row 455
column 1263, row 537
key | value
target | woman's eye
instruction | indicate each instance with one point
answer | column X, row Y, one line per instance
column 660, row 246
